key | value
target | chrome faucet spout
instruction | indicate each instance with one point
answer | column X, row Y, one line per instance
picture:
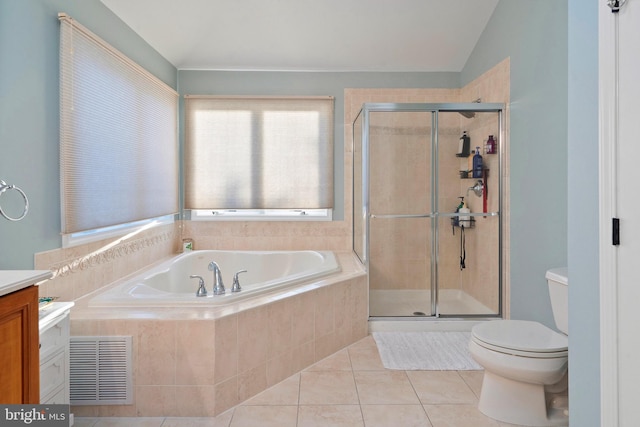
column 218, row 285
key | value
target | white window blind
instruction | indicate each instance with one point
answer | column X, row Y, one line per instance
column 258, row 152
column 118, row 136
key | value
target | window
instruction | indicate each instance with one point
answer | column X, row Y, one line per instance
column 118, row 137
column 252, row 156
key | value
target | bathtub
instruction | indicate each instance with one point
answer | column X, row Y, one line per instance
column 168, row 284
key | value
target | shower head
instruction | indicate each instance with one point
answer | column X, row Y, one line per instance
column 470, row 114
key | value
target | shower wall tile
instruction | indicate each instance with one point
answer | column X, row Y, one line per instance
column 492, row 86
column 387, row 259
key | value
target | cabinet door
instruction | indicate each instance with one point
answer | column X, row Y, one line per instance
column 19, row 359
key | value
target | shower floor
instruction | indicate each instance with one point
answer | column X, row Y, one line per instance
column 417, row 303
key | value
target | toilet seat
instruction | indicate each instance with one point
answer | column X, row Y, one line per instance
column 520, row 338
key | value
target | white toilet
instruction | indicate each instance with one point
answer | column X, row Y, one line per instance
column 526, row 364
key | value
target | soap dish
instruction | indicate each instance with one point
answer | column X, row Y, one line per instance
column 44, row 301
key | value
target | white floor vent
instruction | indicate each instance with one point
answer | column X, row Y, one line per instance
column 100, row 370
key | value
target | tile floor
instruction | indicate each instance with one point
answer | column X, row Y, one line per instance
column 350, row 388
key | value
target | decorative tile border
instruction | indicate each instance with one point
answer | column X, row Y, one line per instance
column 109, row 253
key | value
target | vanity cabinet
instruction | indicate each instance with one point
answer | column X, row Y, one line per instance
column 54, row 353
column 19, row 355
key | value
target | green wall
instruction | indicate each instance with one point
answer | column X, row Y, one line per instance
column 29, row 106
column 583, row 229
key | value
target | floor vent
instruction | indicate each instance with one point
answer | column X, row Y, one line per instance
column 100, row 370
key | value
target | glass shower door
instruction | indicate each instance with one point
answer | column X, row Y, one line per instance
column 468, row 251
column 400, row 213
column 423, row 257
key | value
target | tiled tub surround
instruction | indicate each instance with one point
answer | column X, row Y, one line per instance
column 202, row 361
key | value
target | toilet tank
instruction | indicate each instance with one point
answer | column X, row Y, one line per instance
column 558, row 281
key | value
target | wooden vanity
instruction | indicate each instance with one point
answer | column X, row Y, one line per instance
column 19, row 336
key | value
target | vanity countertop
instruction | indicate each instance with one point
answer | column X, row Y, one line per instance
column 14, row 280
column 51, row 311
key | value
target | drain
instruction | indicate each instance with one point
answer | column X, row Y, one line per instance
column 418, row 313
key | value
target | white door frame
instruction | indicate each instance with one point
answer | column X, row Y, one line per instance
column 608, row 160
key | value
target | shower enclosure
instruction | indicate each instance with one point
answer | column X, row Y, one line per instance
column 425, row 254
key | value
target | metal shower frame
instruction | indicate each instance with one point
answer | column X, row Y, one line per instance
column 434, row 109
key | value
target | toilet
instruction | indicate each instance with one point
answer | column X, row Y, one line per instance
column 526, row 364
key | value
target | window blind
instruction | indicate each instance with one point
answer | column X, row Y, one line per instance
column 118, row 136
column 258, row 152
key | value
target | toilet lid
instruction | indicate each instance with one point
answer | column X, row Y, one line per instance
column 521, row 335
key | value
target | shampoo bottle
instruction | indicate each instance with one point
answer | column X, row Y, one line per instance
column 477, row 164
column 491, row 145
column 464, row 220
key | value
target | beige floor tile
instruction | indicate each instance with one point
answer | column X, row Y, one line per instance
column 327, row 388
column 283, row 393
column 84, row 421
column 364, row 355
column 395, row 415
column 265, row 416
column 458, row 416
column 473, row 380
column 336, row 362
column 129, row 422
column 222, row 420
column 501, row 424
column 441, row 387
column 330, row 416
column 385, row 387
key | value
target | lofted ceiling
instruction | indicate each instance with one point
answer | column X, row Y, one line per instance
column 310, row 35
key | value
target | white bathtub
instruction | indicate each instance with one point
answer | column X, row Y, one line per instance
column 168, row 284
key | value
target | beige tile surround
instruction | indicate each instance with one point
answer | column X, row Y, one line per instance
column 202, row 361
column 349, row 388
column 170, row 383
column 401, row 260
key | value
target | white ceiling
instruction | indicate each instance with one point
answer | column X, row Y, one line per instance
column 310, row 35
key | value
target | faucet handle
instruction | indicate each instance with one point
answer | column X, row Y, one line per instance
column 202, row 290
column 236, row 283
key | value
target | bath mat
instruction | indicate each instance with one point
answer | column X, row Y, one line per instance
column 426, row 351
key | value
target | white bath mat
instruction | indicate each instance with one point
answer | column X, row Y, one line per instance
column 428, row 351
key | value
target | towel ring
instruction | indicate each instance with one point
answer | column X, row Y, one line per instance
column 5, row 187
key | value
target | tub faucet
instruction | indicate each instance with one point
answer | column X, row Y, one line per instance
column 236, row 282
column 202, row 291
column 218, row 285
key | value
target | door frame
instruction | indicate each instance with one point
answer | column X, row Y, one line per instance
column 608, row 254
